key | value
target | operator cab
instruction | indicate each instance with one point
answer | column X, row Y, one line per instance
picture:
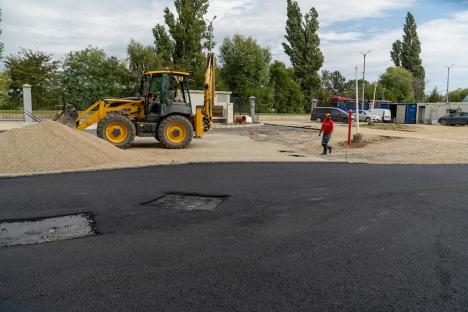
column 165, row 92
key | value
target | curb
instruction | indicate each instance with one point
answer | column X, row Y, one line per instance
column 88, row 170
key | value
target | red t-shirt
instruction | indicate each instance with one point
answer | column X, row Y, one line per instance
column 327, row 126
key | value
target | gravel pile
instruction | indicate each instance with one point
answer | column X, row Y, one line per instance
column 50, row 146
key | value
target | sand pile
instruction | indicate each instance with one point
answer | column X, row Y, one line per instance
column 50, row 146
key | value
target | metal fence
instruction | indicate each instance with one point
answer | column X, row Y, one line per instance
column 241, row 106
column 14, row 112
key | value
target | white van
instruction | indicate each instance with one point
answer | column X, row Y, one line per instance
column 385, row 113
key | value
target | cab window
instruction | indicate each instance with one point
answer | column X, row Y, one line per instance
column 178, row 89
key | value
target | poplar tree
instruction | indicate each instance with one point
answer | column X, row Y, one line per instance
column 1, row 43
column 396, row 53
column 406, row 54
column 181, row 41
column 303, row 47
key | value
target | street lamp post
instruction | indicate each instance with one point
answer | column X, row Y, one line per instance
column 210, row 30
column 357, row 103
column 448, row 80
column 364, row 76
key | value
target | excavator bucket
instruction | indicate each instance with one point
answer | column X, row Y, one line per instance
column 67, row 115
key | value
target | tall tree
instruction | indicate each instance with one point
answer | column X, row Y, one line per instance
column 287, row 94
column 334, row 82
column 184, row 38
column 246, row 68
column 398, row 84
column 140, row 58
column 37, row 69
column 89, row 75
column 396, row 53
column 303, row 47
column 2, row 47
column 163, row 45
column 407, row 55
column 435, row 96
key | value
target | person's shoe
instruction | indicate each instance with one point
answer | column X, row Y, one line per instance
column 324, row 153
column 330, row 149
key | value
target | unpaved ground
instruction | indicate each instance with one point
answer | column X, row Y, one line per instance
column 51, row 147
column 405, row 144
column 27, row 151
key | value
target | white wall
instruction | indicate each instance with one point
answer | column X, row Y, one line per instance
column 221, row 98
column 433, row 111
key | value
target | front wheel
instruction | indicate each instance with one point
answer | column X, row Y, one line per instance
column 175, row 132
column 345, row 120
column 443, row 123
column 318, row 119
column 367, row 119
column 117, row 130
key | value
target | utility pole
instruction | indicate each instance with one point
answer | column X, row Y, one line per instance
column 357, row 102
column 364, row 77
column 448, row 80
column 210, row 33
column 373, row 101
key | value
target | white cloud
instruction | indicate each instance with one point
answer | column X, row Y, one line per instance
column 61, row 26
column 443, row 42
column 343, row 36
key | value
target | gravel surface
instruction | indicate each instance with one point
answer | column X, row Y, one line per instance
column 50, row 146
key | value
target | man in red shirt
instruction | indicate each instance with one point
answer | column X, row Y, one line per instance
column 327, row 130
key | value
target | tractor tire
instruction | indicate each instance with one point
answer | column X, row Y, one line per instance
column 175, row 132
column 116, row 129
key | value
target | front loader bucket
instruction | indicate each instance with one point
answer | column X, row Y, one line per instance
column 67, row 115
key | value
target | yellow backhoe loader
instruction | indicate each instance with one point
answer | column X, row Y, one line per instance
column 163, row 111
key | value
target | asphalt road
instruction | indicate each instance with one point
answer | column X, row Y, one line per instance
column 290, row 237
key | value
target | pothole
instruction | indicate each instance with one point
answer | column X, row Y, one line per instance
column 188, row 201
column 48, row 229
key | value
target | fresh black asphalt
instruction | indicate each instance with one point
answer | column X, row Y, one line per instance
column 290, row 237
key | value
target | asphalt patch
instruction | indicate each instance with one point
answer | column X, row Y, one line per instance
column 187, row 201
column 48, row 229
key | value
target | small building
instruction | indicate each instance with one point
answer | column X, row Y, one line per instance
column 223, row 108
column 429, row 113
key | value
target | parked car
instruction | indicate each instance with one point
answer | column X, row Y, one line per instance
column 367, row 116
column 385, row 113
column 459, row 118
column 337, row 114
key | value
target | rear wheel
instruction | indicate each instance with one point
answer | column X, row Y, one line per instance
column 175, row 132
column 117, row 130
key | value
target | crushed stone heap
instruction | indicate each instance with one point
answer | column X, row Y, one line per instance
column 50, row 146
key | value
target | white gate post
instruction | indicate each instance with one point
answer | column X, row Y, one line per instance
column 27, row 103
column 229, row 113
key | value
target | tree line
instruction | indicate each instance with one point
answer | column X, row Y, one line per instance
column 245, row 67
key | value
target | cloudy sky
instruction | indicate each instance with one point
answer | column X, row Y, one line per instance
column 346, row 28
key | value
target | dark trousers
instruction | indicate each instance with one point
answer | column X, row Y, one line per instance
column 325, row 139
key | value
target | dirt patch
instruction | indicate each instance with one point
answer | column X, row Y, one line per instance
column 391, row 126
column 50, row 146
column 369, row 141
